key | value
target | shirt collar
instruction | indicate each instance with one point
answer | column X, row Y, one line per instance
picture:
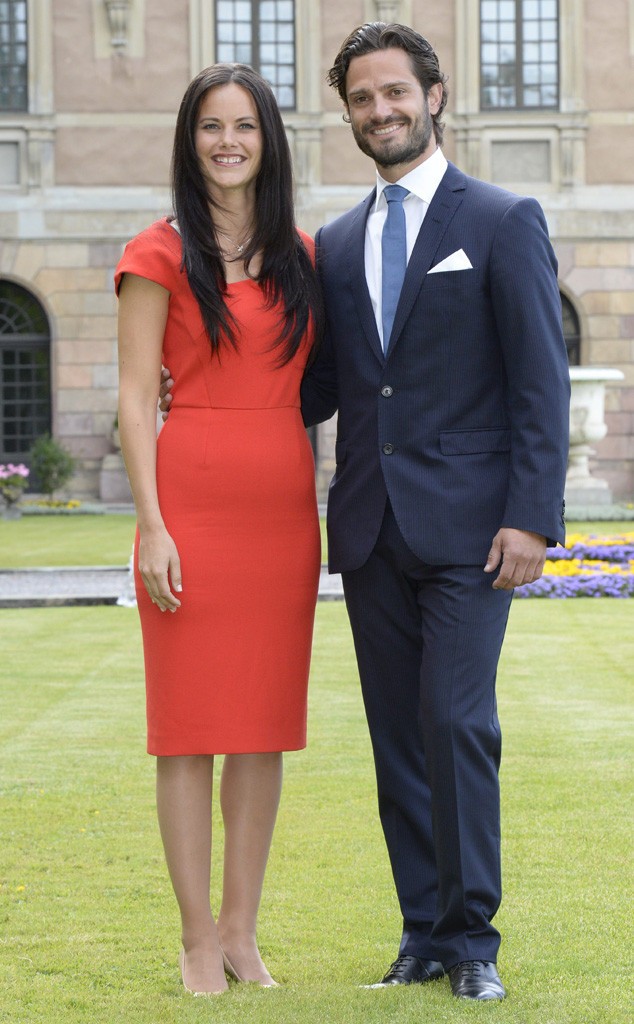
column 422, row 181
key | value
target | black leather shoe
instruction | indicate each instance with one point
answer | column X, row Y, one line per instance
column 476, row 979
column 410, row 970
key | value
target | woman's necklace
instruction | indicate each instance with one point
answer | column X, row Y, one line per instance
column 238, row 247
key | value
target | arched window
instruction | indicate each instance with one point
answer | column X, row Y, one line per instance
column 572, row 331
column 25, row 372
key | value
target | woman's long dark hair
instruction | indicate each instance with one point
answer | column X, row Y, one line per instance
column 287, row 275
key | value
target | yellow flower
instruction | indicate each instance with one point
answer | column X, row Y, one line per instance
column 586, row 567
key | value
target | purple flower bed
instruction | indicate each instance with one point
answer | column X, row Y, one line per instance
column 603, row 567
column 623, row 553
column 599, row 585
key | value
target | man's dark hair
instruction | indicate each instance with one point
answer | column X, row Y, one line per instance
column 287, row 276
column 377, row 35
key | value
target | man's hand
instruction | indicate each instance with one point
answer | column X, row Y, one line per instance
column 165, row 392
column 522, row 555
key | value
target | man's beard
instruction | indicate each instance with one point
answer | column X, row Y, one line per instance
column 417, row 141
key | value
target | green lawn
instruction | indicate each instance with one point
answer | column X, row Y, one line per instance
column 107, row 539
column 66, row 540
column 89, row 927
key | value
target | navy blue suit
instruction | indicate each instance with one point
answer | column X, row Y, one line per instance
column 460, row 430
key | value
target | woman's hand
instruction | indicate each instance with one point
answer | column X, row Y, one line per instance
column 159, row 566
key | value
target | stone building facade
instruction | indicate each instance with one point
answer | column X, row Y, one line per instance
column 540, row 102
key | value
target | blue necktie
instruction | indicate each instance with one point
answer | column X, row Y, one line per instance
column 393, row 256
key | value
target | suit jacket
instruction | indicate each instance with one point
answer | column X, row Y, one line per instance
column 464, row 424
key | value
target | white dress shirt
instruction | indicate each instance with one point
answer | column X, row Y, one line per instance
column 421, row 184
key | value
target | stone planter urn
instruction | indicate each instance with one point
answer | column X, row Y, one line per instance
column 10, row 511
column 587, row 426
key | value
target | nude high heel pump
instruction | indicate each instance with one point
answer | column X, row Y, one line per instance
column 231, row 971
column 181, row 961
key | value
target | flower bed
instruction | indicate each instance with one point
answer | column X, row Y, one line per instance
column 51, row 506
column 589, row 566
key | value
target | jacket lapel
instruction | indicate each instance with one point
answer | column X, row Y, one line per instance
column 446, row 200
column 356, row 264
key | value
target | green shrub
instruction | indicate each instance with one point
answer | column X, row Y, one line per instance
column 51, row 464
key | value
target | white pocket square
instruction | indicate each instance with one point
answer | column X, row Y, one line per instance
column 457, row 261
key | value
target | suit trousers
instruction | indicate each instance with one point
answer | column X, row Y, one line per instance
column 428, row 640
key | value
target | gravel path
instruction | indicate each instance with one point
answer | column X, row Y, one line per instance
column 32, row 588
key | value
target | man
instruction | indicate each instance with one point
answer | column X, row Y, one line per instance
column 445, row 358
column 452, row 386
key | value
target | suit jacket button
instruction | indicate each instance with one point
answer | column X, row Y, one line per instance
column 388, row 449
column 387, row 391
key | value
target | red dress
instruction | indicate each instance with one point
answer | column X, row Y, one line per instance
column 228, row 673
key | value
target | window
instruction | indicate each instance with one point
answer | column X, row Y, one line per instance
column 25, row 375
column 260, row 33
column 13, row 55
column 519, row 54
column 572, row 332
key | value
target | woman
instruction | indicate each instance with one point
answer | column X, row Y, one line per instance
column 228, row 538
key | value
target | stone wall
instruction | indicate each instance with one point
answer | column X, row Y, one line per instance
column 598, row 277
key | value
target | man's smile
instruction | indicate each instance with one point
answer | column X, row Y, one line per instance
column 387, row 128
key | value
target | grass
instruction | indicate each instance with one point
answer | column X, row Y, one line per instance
column 66, row 540
column 107, row 540
column 89, row 927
